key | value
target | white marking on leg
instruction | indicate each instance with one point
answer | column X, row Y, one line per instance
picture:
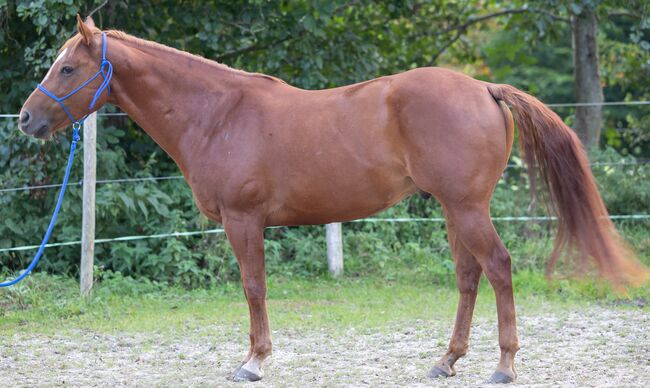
column 61, row 55
column 254, row 365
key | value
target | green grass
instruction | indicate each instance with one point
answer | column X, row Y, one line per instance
column 51, row 304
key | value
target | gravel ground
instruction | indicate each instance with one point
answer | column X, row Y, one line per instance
column 593, row 347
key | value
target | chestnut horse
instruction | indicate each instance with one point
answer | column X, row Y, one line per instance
column 258, row 152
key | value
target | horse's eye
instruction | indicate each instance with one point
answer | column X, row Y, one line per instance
column 67, row 70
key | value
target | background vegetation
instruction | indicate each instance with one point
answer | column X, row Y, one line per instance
column 314, row 45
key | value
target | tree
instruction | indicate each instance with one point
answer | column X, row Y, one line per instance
column 584, row 25
column 585, row 18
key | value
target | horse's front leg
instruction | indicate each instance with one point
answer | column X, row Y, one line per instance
column 246, row 235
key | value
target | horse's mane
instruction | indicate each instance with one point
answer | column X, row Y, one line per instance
column 146, row 43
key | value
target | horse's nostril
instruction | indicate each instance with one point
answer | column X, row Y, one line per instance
column 24, row 117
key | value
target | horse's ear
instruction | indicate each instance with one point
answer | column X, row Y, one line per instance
column 90, row 22
column 84, row 30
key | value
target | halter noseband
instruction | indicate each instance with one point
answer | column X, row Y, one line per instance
column 105, row 70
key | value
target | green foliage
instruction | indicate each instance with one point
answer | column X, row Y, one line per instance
column 625, row 188
column 541, row 41
column 50, row 305
column 311, row 45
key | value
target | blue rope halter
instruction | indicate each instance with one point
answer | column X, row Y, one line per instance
column 106, row 71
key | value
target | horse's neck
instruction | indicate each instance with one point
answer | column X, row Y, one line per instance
column 175, row 98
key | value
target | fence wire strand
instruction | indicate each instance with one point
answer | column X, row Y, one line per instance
column 176, row 177
column 364, row 220
column 127, row 180
column 99, row 182
column 554, row 105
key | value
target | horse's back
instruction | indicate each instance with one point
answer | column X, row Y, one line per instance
column 358, row 149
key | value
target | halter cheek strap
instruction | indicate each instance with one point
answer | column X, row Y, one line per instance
column 105, row 71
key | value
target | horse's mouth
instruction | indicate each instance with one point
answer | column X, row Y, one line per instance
column 42, row 133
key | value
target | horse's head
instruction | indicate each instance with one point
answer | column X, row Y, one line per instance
column 78, row 61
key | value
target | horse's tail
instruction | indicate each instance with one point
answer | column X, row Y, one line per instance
column 551, row 148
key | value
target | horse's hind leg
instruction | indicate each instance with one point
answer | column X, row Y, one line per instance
column 468, row 274
column 472, row 224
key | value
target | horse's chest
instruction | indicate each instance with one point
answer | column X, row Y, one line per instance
column 206, row 197
column 217, row 194
column 208, row 207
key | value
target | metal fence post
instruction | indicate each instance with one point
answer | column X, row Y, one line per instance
column 88, row 211
column 334, row 238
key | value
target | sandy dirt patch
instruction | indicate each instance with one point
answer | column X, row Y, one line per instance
column 593, row 347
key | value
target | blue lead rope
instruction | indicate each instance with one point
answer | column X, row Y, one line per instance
column 73, row 147
column 106, row 71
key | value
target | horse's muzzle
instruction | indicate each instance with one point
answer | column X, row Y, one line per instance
column 29, row 126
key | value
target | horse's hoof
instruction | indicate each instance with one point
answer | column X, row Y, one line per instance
column 237, row 370
column 500, row 378
column 243, row 374
column 436, row 372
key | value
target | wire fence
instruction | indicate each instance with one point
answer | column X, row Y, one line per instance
column 364, row 220
column 604, row 103
column 174, row 177
column 99, row 182
column 597, row 164
column 178, row 177
column 116, row 239
column 553, row 105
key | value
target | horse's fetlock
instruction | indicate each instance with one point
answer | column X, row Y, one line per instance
column 510, row 349
column 461, row 352
column 457, row 351
column 263, row 350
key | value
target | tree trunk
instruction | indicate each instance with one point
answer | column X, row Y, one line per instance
column 587, row 76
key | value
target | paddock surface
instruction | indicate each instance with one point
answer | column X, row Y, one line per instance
column 590, row 346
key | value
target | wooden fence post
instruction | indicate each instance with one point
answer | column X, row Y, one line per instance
column 334, row 238
column 88, row 211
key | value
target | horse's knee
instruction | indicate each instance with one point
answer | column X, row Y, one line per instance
column 468, row 286
column 255, row 291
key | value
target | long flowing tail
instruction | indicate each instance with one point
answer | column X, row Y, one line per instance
column 585, row 231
